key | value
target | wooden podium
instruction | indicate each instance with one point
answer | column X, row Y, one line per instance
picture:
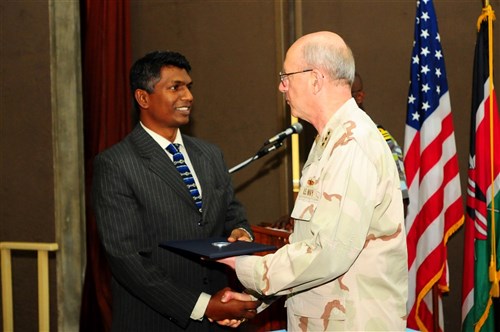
column 268, row 235
column 273, row 317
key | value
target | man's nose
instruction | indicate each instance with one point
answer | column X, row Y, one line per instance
column 188, row 95
column 282, row 87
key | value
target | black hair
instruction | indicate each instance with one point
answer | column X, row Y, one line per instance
column 146, row 71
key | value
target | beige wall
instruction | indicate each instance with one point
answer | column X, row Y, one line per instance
column 235, row 51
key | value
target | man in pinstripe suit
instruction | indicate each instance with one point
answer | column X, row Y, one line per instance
column 140, row 199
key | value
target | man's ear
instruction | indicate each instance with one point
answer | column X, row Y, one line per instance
column 360, row 97
column 318, row 80
column 142, row 98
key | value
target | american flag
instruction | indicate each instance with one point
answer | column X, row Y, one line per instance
column 483, row 190
column 431, row 165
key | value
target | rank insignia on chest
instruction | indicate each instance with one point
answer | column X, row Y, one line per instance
column 311, row 182
column 326, row 138
column 310, row 189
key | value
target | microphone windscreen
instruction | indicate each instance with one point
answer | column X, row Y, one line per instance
column 297, row 127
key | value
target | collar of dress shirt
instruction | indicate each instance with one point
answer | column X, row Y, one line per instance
column 162, row 140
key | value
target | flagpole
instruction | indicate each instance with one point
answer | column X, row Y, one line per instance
column 480, row 275
column 488, row 14
column 495, row 290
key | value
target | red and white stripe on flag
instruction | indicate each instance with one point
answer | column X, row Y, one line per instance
column 432, row 174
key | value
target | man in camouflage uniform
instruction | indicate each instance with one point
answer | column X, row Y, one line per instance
column 346, row 265
column 358, row 93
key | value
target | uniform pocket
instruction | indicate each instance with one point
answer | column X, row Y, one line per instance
column 303, row 209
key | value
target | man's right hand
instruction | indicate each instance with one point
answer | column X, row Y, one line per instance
column 234, row 309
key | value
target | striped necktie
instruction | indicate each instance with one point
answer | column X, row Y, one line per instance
column 185, row 173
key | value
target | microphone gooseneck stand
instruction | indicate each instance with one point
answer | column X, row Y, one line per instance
column 262, row 152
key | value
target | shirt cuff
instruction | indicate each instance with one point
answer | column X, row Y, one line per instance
column 200, row 307
column 245, row 267
column 249, row 235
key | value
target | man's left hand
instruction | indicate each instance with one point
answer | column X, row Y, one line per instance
column 239, row 234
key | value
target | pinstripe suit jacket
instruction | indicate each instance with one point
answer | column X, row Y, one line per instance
column 139, row 200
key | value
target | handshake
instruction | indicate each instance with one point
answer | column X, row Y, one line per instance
column 227, row 307
column 230, row 308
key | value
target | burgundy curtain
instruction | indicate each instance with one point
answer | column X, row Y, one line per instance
column 106, row 60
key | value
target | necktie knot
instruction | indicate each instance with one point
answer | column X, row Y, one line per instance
column 173, row 148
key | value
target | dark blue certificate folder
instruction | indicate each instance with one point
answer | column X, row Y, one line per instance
column 216, row 248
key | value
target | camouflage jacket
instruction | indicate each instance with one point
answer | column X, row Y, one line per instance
column 346, row 265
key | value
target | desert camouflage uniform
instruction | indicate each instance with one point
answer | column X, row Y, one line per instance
column 397, row 155
column 346, row 265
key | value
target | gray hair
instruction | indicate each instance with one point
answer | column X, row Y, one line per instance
column 336, row 60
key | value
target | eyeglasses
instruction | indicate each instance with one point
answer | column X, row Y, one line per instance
column 284, row 76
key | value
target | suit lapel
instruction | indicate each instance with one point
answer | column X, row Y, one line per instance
column 159, row 163
column 202, row 166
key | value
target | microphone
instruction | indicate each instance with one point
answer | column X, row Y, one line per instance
column 271, row 144
column 295, row 128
